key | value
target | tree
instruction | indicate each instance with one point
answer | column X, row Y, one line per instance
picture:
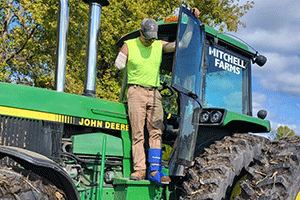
column 29, row 28
column 283, row 131
column 26, row 45
column 225, row 14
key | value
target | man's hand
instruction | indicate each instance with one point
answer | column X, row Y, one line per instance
column 170, row 46
column 195, row 12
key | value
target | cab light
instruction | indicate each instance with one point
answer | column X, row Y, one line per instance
column 215, row 116
column 204, row 117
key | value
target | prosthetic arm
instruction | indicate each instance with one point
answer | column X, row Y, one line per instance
column 120, row 61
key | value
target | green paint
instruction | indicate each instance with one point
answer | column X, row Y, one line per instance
column 137, row 190
column 127, row 164
column 93, row 144
column 102, row 166
column 252, row 124
column 226, row 38
column 91, row 194
column 49, row 101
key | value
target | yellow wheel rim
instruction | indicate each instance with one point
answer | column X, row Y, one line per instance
column 298, row 196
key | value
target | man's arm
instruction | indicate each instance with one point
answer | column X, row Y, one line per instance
column 121, row 59
column 169, row 47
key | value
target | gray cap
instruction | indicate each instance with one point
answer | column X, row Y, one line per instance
column 149, row 28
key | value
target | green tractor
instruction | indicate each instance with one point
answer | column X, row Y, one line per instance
column 56, row 145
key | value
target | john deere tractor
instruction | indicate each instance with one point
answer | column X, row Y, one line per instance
column 56, row 145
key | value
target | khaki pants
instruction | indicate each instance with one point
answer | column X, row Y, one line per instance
column 144, row 104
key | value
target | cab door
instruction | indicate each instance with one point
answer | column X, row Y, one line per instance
column 187, row 80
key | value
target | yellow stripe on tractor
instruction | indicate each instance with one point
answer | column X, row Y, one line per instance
column 17, row 112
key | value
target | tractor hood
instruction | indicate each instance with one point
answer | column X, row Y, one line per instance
column 41, row 104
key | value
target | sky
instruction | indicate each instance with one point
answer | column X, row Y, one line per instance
column 273, row 29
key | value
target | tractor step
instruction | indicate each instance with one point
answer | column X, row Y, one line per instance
column 126, row 189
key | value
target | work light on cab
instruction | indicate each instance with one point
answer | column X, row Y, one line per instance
column 204, row 117
column 215, row 116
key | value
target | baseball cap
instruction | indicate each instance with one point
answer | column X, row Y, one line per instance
column 149, row 28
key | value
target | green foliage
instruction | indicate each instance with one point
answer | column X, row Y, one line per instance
column 28, row 30
column 167, row 150
column 283, row 131
column 169, row 100
column 25, row 47
column 225, row 14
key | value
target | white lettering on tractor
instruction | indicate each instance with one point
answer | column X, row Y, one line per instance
column 226, row 61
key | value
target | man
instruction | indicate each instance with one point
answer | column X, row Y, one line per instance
column 142, row 56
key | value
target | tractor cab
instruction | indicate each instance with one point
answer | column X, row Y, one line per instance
column 206, row 87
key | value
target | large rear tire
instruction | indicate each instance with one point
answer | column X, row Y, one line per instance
column 23, row 184
column 214, row 172
column 275, row 174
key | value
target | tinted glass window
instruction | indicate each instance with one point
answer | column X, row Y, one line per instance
column 187, row 79
column 186, row 74
column 225, row 80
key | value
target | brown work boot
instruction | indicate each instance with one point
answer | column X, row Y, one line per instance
column 163, row 179
column 138, row 175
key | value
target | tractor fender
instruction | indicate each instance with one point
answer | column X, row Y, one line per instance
column 42, row 166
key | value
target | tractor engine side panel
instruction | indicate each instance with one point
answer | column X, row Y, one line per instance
column 36, row 135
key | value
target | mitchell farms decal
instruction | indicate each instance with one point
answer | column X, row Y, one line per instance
column 226, row 61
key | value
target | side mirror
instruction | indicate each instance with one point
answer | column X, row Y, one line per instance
column 262, row 114
column 260, row 60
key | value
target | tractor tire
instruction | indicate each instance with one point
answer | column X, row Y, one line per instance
column 24, row 185
column 214, row 172
column 275, row 174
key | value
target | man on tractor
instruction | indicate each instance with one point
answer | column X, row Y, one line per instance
column 142, row 57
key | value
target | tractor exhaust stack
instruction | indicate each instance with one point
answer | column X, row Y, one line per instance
column 92, row 46
column 94, row 25
column 62, row 34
